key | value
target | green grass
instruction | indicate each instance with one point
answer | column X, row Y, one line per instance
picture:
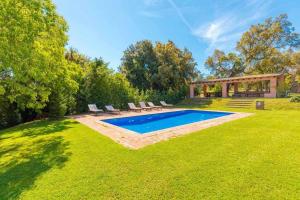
column 252, row 158
column 220, row 103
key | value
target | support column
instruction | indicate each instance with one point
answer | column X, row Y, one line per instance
column 224, row 90
column 204, row 90
column 273, row 88
column 236, row 88
column 192, row 91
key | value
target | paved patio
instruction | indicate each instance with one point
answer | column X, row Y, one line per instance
column 134, row 140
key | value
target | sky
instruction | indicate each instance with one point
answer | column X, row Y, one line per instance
column 105, row 28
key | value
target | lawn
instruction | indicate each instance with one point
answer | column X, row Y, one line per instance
column 257, row 157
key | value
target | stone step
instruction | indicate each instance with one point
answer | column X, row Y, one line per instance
column 201, row 99
column 240, row 103
column 238, row 106
column 242, row 100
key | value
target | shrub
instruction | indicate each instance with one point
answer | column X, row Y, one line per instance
column 9, row 114
column 103, row 86
column 170, row 96
column 295, row 99
column 57, row 106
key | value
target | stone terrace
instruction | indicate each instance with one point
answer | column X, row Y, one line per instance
column 134, row 140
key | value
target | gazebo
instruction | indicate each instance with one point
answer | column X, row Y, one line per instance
column 272, row 80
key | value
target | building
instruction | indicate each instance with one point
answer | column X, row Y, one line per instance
column 273, row 81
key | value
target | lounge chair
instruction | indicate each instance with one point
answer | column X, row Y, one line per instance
column 163, row 103
column 134, row 108
column 154, row 106
column 93, row 108
column 144, row 107
column 111, row 109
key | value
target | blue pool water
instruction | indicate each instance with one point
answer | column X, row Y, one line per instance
column 154, row 122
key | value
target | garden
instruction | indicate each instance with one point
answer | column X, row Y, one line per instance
column 252, row 158
column 45, row 153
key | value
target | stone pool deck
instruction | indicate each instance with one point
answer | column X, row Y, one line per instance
column 133, row 140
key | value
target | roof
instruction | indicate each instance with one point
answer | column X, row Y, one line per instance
column 240, row 78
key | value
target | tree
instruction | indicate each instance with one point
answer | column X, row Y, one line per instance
column 222, row 65
column 176, row 68
column 73, row 56
column 296, row 61
column 265, row 47
column 295, row 72
column 139, row 64
column 159, row 68
column 35, row 77
column 84, row 64
column 103, row 86
column 32, row 43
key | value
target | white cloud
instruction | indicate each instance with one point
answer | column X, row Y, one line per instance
column 219, row 32
column 213, row 31
column 224, row 31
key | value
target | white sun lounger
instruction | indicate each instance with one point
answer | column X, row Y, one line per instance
column 143, row 106
column 111, row 109
column 93, row 108
column 163, row 103
column 153, row 106
column 133, row 107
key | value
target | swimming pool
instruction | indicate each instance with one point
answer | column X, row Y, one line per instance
column 144, row 124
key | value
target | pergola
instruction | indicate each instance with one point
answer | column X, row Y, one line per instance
column 274, row 81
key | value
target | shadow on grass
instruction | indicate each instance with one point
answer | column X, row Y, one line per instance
column 9, row 148
column 32, row 157
column 37, row 128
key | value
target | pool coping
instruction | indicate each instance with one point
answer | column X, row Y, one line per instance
column 134, row 140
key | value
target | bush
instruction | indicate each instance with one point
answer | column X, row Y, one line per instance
column 103, row 86
column 122, row 91
column 57, row 106
column 9, row 114
column 169, row 96
column 295, row 99
column 282, row 91
column 284, row 87
column 217, row 88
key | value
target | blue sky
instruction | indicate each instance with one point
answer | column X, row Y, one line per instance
column 105, row 29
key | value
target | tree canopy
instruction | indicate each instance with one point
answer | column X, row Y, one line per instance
column 139, row 64
column 35, row 77
column 103, row 86
column 222, row 65
column 33, row 38
column 296, row 61
column 158, row 67
column 265, row 48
